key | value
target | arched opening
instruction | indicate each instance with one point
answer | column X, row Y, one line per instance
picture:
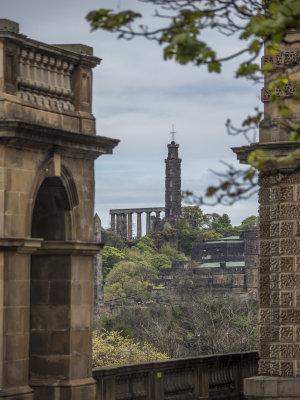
column 49, row 215
column 50, row 294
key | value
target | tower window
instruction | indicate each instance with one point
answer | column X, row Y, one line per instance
column 171, row 184
column 171, row 211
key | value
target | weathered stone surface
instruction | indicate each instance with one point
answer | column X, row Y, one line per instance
column 48, row 145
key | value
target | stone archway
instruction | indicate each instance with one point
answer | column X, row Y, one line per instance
column 48, row 145
column 50, row 211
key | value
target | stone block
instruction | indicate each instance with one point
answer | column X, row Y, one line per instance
column 14, row 225
column 51, row 267
column 40, row 292
column 60, row 292
column 82, row 268
column 81, row 317
column 19, row 180
column 80, row 340
column 17, row 266
column 16, row 347
column 60, row 342
column 286, row 264
column 17, row 293
column 16, row 319
column 48, row 366
column 49, row 317
column 80, row 366
column 12, row 202
column 15, row 373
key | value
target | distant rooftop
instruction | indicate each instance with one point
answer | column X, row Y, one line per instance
column 227, row 264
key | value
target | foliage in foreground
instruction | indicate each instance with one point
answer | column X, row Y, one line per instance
column 182, row 28
column 112, row 348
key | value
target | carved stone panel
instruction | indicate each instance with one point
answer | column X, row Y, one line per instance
column 286, row 264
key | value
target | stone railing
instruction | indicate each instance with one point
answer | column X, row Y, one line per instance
column 206, row 377
column 45, row 80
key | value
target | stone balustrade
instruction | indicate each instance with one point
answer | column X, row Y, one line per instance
column 45, row 79
column 206, row 377
column 121, row 220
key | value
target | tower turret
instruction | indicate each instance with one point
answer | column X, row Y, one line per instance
column 173, row 182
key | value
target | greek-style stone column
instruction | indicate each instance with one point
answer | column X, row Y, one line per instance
column 139, row 224
column 124, row 226
column 119, row 224
column 148, row 222
column 129, row 232
column 113, row 222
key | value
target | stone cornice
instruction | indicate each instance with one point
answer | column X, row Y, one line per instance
column 272, row 149
column 136, row 210
column 44, row 247
column 64, row 51
column 22, row 245
column 26, row 135
column 69, row 248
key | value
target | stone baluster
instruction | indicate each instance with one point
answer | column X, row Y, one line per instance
column 129, row 232
column 113, row 222
column 139, row 225
column 148, row 222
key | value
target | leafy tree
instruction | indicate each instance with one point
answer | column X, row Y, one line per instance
column 172, row 253
column 160, row 261
column 221, row 224
column 146, row 245
column 111, row 322
column 112, row 239
column 187, row 235
column 195, row 216
column 257, row 24
column 112, row 348
column 249, row 223
column 128, row 279
column 110, row 257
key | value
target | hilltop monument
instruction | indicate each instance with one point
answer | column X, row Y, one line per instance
column 173, row 183
column 121, row 219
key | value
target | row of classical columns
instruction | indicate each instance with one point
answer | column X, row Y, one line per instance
column 121, row 221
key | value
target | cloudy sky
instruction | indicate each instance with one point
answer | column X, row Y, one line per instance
column 137, row 98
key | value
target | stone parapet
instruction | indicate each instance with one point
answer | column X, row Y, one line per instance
column 49, row 84
column 271, row 388
column 216, row 377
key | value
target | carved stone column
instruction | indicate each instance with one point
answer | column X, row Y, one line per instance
column 139, row 225
column 129, row 232
column 148, row 222
column 113, row 222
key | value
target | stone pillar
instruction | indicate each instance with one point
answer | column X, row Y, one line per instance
column 124, row 226
column 279, row 244
column 113, row 222
column 279, row 284
column 119, row 224
column 139, row 225
column 148, row 222
column 129, row 232
column 157, row 214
